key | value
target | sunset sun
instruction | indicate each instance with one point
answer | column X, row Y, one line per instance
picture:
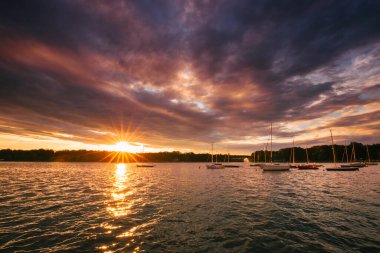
column 124, row 146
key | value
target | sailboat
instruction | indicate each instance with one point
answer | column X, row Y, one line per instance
column 369, row 158
column 144, row 165
column 292, row 158
column 272, row 166
column 335, row 168
column 214, row 165
column 255, row 164
column 254, row 160
column 345, row 152
column 230, row 165
column 258, row 157
column 307, row 166
column 353, row 159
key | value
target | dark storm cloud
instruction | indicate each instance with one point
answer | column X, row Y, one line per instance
column 182, row 70
column 60, row 23
column 298, row 36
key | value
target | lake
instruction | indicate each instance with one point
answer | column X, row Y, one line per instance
column 183, row 207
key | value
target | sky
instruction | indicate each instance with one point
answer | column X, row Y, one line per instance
column 180, row 75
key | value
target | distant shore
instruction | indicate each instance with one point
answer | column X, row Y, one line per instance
column 320, row 154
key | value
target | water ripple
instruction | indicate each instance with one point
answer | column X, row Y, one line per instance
column 94, row 207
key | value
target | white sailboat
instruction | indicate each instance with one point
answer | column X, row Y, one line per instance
column 273, row 166
column 293, row 158
column 214, row 165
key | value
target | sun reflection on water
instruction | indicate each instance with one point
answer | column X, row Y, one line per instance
column 120, row 206
column 121, row 169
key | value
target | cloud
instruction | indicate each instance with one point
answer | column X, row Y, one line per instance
column 188, row 72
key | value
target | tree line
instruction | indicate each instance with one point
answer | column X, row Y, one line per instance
column 321, row 153
column 355, row 151
column 48, row 155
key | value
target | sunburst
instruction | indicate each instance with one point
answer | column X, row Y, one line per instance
column 124, row 150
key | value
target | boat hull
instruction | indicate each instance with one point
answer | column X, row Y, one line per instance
column 343, row 169
column 274, row 167
column 308, row 167
column 231, row 166
column 214, row 166
column 357, row 165
column 255, row 165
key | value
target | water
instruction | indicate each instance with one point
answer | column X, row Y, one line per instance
column 96, row 207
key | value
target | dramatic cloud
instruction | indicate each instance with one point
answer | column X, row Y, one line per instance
column 183, row 74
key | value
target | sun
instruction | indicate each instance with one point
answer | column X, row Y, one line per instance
column 124, row 146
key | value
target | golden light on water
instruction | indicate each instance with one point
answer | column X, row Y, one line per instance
column 121, row 169
column 128, row 233
column 121, row 203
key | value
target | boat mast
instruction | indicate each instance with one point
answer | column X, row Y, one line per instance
column 344, row 151
column 265, row 152
column 332, row 146
column 368, row 157
column 271, row 142
column 345, row 147
column 307, row 155
column 228, row 150
column 353, row 157
column 293, row 153
column 212, row 152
